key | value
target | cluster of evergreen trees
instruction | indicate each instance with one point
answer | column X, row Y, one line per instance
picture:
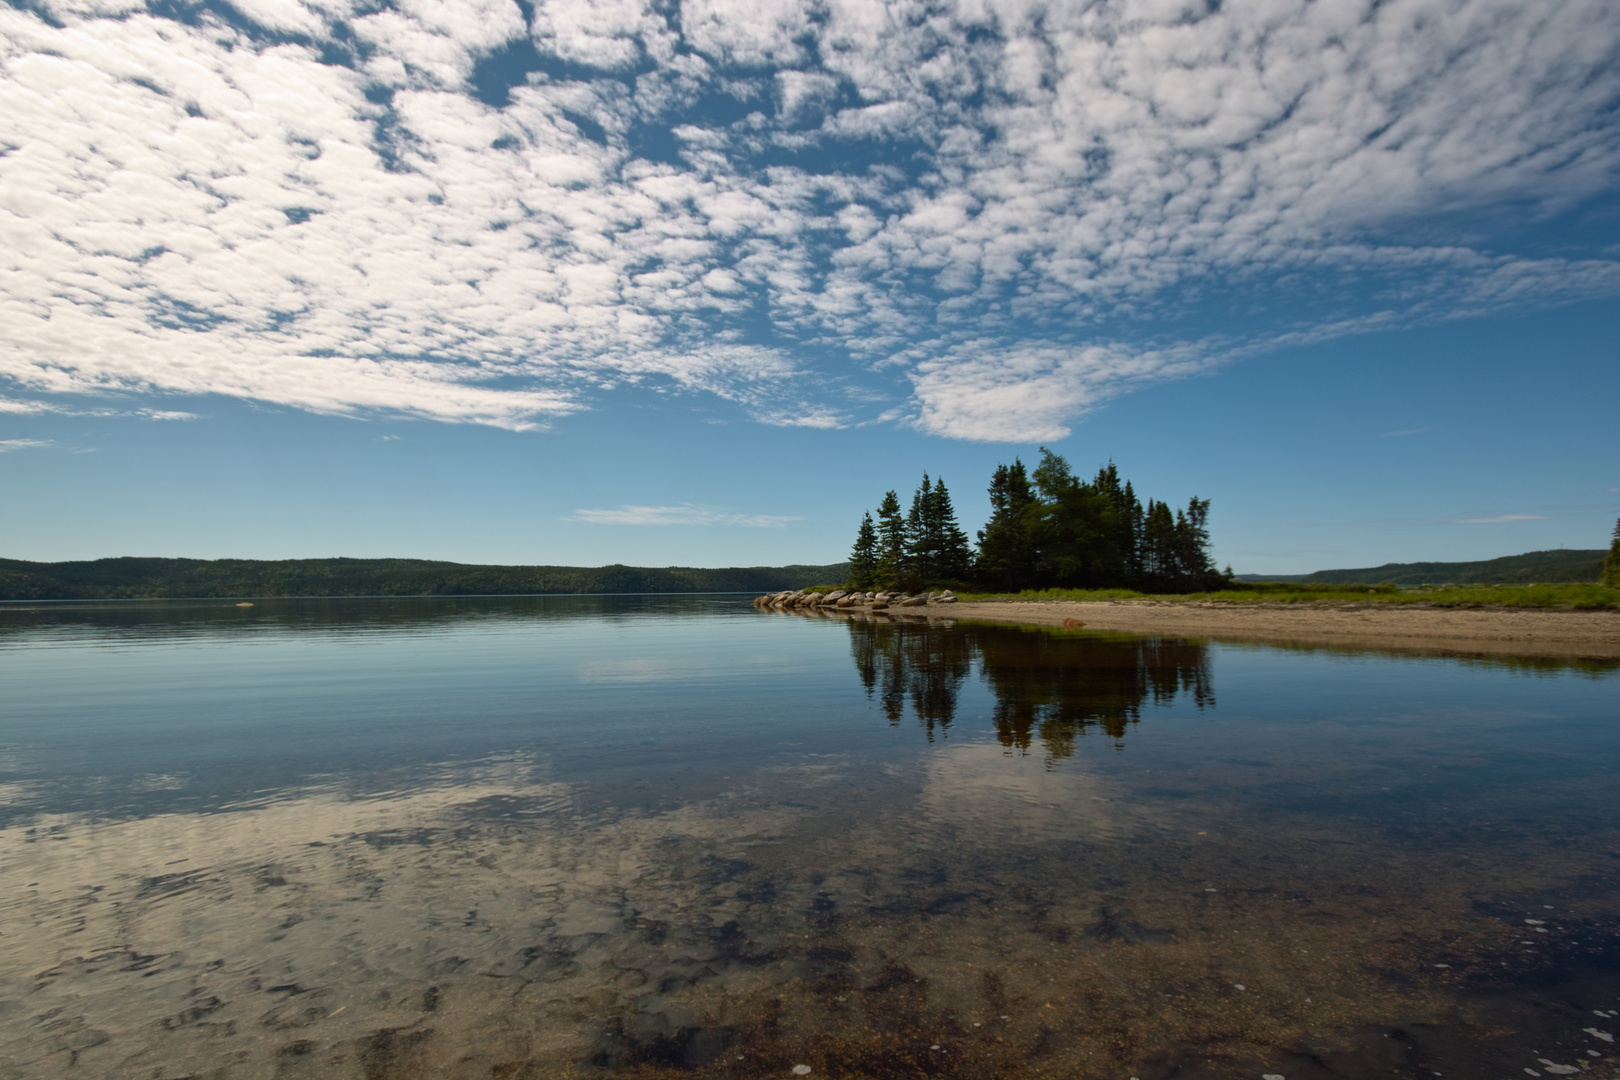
column 1047, row 529
column 926, row 544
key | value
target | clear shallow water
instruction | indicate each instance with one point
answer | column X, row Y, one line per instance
column 653, row 835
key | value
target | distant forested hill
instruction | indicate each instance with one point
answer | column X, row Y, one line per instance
column 1533, row 566
column 127, row 578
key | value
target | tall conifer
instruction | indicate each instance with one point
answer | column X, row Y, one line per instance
column 1006, row 547
column 891, row 538
column 921, row 532
column 953, row 558
column 863, row 558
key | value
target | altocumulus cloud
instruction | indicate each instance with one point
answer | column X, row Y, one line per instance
column 978, row 217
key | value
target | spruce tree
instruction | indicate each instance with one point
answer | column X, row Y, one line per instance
column 863, row 558
column 953, row 559
column 920, row 532
column 1193, row 567
column 1132, row 509
column 1006, row 549
column 891, row 541
column 1158, row 545
column 1611, row 565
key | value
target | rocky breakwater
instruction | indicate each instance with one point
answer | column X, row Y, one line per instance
column 840, row 599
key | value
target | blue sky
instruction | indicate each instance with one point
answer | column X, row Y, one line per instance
column 694, row 283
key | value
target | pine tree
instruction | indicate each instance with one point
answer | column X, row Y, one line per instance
column 1611, row 565
column 891, row 541
column 863, row 558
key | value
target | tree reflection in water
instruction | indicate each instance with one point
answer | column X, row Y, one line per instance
column 1052, row 685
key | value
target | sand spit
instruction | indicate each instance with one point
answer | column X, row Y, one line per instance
column 1494, row 631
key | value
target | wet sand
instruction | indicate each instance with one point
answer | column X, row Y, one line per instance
column 1453, row 631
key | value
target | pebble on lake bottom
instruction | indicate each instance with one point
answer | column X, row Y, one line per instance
column 801, row 1070
column 1272, row 1076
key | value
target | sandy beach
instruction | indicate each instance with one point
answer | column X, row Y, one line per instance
column 1498, row 631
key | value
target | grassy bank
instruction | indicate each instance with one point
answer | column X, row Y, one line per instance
column 1566, row 596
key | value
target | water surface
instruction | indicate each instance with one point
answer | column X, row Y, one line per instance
column 653, row 836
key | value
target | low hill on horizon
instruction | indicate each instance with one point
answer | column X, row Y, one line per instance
column 1530, row 568
column 151, row 579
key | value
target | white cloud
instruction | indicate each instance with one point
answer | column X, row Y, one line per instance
column 1501, row 519
column 984, row 217
column 685, row 514
column 15, row 405
column 8, row 445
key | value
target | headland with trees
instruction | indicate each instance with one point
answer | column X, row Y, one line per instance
column 1054, row 536
column 1048, row 528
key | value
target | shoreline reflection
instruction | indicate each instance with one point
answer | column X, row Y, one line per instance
column 1052, row 685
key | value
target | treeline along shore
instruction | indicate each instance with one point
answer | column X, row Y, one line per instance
column 137, row 579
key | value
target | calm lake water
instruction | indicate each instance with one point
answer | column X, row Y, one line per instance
column 649, row 836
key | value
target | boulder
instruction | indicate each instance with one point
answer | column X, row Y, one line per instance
column 880, row 605
column 947, row 599
column 914, row 601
